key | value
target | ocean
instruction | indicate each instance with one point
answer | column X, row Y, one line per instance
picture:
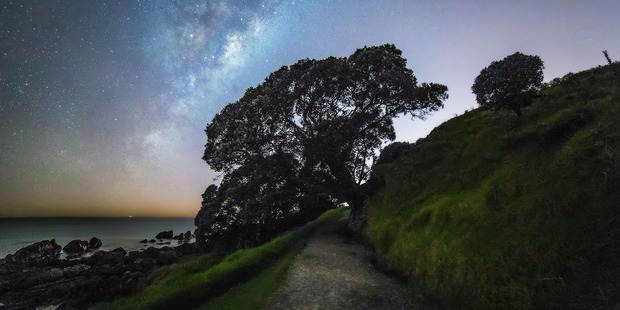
column 126, row 232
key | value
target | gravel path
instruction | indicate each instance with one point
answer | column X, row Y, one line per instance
column 333, row 272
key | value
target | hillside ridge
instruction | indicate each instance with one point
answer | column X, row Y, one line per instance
column 495, row 210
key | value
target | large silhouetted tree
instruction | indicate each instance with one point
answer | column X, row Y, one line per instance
column 304, row 140
column 509, row 84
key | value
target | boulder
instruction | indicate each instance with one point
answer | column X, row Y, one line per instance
column 164, row 235
column 187, row 248
column 144, row 241
column 76, row 247
column 152, row 241
column 73, row 284
column 103, row 258
column 151, row 252
column 74, row 256
column 36, row 253
column 135, row 254
column 119, row 250
column 183, row 236
column 167, row 257
column 94, row 243
column 143, row 264
column 75, row 270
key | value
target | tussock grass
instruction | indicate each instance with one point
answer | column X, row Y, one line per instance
column 256, row 292
column 492, row 210
column 242, row 279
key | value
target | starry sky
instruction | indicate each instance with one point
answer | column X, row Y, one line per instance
column 103, row 103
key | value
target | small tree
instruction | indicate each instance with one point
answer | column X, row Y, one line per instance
column 509, row 84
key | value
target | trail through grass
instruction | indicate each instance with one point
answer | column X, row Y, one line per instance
column 202, row 282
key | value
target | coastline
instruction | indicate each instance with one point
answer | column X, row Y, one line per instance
column 115, row 232
column 37, row 276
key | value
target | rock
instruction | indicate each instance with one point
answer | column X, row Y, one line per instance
column 78, row 283
column 48, row 307
column 126, row 275
column 94, row 243
column 106, row 258
column 38, row 252
column 135, row 254
column 152, row 241
column 183, row 236
column 75, row 270
column 73, row 256
column 151, row 252
column 50, row 274
column 141, row 264
column 164, row 235
column 130, row 283
column 167, row 257
column 186, row 248
column 73, row 284
column 76, row 247
column 119, row 250
column 144, row 241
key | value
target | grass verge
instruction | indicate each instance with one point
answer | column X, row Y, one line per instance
column 256, row 292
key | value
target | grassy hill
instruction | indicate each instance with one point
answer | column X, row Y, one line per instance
column 495, row 210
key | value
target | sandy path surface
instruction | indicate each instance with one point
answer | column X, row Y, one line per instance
column 334, row 272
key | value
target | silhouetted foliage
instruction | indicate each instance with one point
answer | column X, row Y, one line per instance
column 304, row 140
column 388, row 155
column 567, row 78
column 509, row 84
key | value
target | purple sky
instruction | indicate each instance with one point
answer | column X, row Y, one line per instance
column 103, row 104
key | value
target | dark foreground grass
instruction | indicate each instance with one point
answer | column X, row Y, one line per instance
column 492, row 210
column 242, row 280
column 256, row 292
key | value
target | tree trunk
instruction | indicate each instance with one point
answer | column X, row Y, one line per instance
column 607, row 57
column 357, row 217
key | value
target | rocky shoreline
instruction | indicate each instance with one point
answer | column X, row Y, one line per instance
column 36, row 276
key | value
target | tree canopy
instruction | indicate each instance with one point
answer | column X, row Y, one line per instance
column 509, row 84
column 304, row 140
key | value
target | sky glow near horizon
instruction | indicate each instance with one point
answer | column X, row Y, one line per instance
column 103, row 104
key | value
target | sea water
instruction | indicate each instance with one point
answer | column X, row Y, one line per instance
column 126, row 232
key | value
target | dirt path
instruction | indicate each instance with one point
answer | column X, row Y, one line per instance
column 333, row 272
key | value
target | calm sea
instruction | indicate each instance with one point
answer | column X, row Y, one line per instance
column 15, row 233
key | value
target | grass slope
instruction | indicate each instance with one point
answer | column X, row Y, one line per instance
column 242, row 280
column 496, row 211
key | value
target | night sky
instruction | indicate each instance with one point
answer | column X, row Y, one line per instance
column 103, row 103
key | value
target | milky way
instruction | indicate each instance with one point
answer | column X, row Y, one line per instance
column 103, row 103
